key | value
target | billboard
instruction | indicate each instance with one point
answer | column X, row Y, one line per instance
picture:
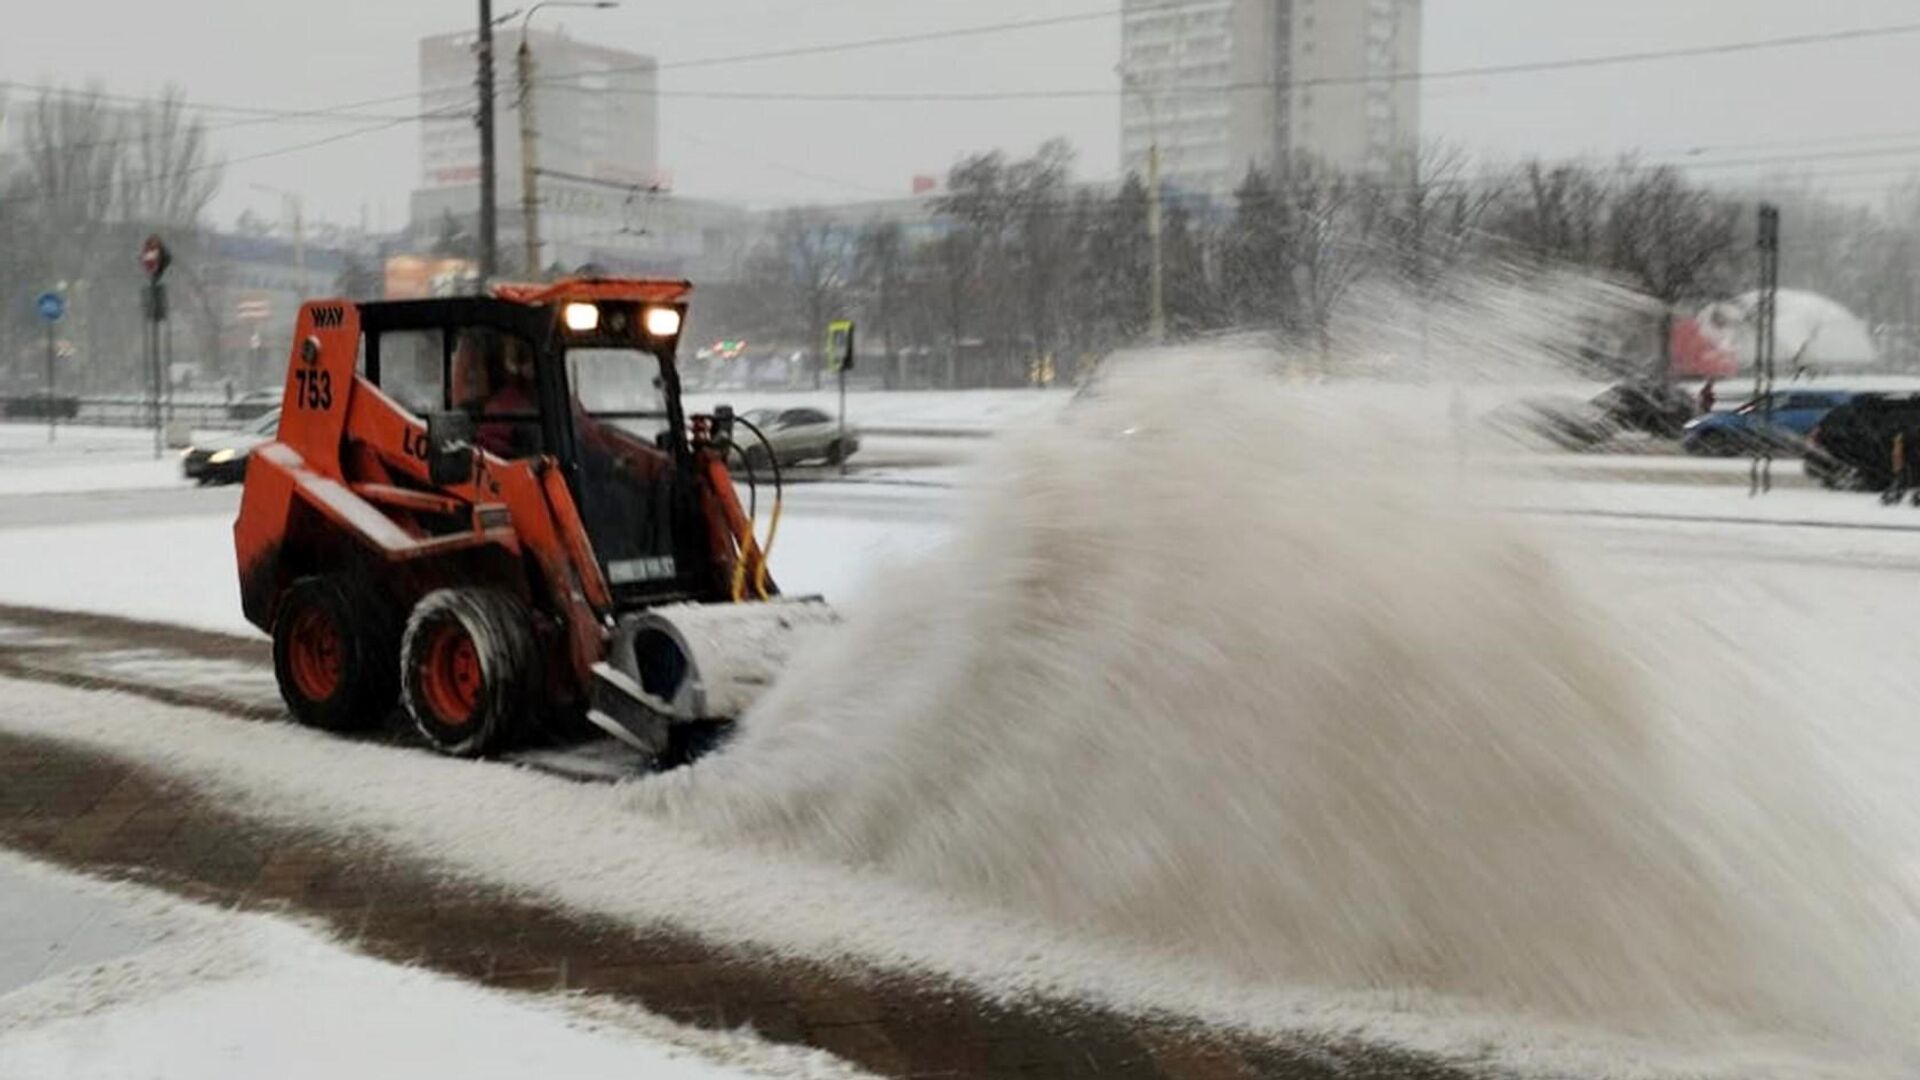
column 417, row 277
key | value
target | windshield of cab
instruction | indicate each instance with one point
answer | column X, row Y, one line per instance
column 627, row 483
column 618, row 386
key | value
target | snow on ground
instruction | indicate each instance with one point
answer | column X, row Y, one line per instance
column 1799, row 614
column 176, row 570
column 630, row 868
column 82, row 459
column 185, row 992
column 49, row 925
column 1836, row 649
column 1708, row 502
column 182, row 571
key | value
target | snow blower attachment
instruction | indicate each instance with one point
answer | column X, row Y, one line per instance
column 495, row 510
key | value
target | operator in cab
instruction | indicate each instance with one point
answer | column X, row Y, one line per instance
column 492, row 381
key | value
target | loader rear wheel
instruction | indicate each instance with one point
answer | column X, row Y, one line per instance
column 333, row 655
column 469, row 670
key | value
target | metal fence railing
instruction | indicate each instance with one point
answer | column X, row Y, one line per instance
column 128, row 410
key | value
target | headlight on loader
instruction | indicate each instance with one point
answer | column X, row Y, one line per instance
column 663, row 322
column 582, row 318
column 221, row 457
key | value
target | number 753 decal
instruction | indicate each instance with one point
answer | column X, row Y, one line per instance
column 313, row 390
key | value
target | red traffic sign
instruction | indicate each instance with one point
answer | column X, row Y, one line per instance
column 155, row 258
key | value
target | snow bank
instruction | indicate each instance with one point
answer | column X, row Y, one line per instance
column 233, row 996
column 181, row 570
column 82, row 459
column 1317, row 727
column 176, row 570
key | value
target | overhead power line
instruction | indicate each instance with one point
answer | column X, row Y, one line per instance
column 342, row 113
column 211, row 166
column 1643, row 56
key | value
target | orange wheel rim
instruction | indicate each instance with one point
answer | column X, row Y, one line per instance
column 313, row 652
column 450, row 677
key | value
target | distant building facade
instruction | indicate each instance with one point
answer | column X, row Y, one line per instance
column 602, row 194
column 1228, row 85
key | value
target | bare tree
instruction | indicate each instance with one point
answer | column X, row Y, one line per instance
column 1256, row 256
column 1673, row 240
column 1555, row 213
column 804, row 266
column 880, row 262
column 70, row 159
column 166, row 177
column 1041, row 253
column 1334, row 218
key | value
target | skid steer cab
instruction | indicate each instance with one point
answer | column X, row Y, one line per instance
column 493, row 510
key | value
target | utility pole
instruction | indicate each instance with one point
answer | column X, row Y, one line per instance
column 529, row 159
column 489, row 255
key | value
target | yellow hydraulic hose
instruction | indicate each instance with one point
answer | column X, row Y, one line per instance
column 766, row 552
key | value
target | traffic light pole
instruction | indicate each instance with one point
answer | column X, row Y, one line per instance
column 1766, row 317
column 153, row 362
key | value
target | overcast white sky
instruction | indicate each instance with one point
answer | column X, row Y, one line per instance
column 282, row 53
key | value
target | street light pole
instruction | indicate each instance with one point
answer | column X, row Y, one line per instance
column 529, row 138
column 1157, row 302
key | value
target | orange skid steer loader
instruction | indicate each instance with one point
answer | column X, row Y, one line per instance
column 494, row 509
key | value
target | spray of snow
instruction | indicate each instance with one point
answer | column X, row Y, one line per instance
column 1214, row 668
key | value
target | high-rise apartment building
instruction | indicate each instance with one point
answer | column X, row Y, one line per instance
column 603, row 197
column 596, row 111
column 1228, row 85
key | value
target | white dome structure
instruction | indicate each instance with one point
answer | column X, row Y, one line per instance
column 1810, row 331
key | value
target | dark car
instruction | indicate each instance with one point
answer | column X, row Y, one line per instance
column 1655, row 408
column 1856, row 445
column 222, row 459
column 1745, row 429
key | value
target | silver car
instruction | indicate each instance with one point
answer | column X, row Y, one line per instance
column 797, row 435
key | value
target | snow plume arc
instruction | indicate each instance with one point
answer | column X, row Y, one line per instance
column 1204, row 671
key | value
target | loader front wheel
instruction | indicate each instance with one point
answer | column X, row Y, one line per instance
column 333, row 656
column 469, row 670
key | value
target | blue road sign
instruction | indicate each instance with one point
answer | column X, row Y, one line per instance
column 51, row 306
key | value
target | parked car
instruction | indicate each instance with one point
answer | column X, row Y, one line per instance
column 1745, row 429
column 1658, row 408
column 797, row 435
column 1853, row 446
column 254, row 405
column 222, row 459
column 1655, row 408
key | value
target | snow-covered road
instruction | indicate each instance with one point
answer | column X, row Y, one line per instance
column 1802, row 591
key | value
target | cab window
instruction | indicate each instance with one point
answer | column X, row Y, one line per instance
column 484, row 372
